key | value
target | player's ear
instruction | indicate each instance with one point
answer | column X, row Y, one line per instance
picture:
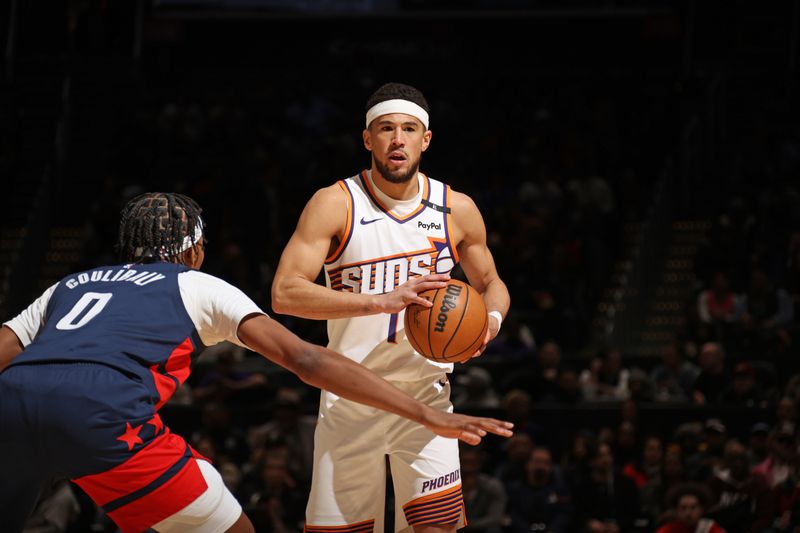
column 193, row 257
column 426, row 139
column 367, row 139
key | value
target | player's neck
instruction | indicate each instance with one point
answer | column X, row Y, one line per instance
column 396, row 191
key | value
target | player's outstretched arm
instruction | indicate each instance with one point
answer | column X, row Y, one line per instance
column 294, row 288
column 333, row 372
column 10, row 346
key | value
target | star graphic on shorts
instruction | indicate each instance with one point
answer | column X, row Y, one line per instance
column 156, row 423
column 131, row 436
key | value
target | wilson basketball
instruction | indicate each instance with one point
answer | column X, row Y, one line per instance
column 453, row 329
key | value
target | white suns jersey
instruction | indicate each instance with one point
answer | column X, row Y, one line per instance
column 380, row 251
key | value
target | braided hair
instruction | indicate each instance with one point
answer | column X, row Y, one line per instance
column 153, row 226
column 399, row 91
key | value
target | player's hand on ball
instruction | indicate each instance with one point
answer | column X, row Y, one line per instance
column 491, row 333
column 408, row 293
column 470, row 429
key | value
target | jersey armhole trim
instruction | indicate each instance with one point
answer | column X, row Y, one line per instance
column 348, row 229
column 448, row 223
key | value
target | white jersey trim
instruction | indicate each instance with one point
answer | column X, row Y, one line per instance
column 215, row 306
column 29, row 322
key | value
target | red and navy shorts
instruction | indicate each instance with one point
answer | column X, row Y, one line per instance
column 98, row 427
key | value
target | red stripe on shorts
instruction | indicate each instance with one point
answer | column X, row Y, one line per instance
column 135, row 473
column 163, row 502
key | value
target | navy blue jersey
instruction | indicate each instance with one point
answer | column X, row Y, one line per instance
column 128, row 317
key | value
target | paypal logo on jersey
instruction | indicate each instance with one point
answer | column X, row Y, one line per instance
column 429, row 225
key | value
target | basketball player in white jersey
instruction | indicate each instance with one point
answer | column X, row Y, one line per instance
column 383, row 236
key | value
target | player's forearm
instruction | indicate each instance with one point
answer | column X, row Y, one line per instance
column 10, row 346
column 496, row 296
column 333, row 372
column 303, row 298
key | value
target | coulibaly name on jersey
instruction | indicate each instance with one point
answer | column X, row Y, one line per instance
column 429, row 225
column 449, row 302
column 123, row 274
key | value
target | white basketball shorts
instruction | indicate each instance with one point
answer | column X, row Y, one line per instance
column 348, row 489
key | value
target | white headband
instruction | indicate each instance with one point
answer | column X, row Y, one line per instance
column 397, row 106
column 188, row 241
column 185, row 245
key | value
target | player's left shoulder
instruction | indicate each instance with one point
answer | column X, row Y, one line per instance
column 465, row 212
column 461, row 203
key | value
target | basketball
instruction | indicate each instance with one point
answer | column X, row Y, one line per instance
column 453, row 329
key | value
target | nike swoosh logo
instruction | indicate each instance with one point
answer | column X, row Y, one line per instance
column 365, row 222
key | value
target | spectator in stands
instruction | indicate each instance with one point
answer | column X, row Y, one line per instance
column 647, row 467
column 289, row 425
column 719, row 305
column 767, row 312
column 629, row 411
column 226, row 382
column 792, row 387
column 605, row 502
column 688, row 437
column 741, row 499
column 674, row 378
column 276, row 506
column 548, row 371
column 229, row 470
column 575, row 463
column 484, row 495
column 689, row 502
column 787, row 505
column 540, row 379
column 786, row 412
column 517, row 407
column 781, row 461
column 569, row 387
column 517, row 451
column 757, row 443
column 743, row 390
column 626, row 443
column 640, row 388
column 229, row 439
column 475, row 390
column 702, row 464
column 606, row 379
column 654, row 493
column 541, row 501
column 713, row 377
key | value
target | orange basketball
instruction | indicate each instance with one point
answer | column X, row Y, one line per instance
column 453, row 329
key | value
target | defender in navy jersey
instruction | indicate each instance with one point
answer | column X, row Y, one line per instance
column 380, row 236
column 86, row 367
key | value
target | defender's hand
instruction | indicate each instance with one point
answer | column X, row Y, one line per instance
column 469, row 429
